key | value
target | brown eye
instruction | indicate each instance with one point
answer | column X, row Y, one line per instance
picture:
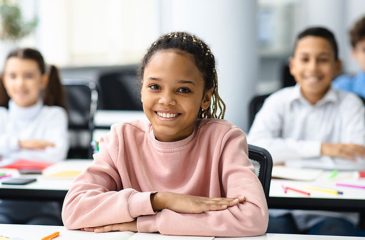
column 154, row 87
column 28, row 75
column 183, row 90
column 11, row 75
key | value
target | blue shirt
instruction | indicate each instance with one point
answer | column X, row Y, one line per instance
column 351, row 83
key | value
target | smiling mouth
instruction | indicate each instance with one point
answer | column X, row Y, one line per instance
column 313, row 79
column 167, row 116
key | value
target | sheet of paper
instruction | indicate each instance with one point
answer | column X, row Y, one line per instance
column 295, row 173
column 327, row 163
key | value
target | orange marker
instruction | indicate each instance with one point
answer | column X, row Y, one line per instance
column 51, row 236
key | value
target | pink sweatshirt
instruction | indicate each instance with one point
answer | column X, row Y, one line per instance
column 132, row 164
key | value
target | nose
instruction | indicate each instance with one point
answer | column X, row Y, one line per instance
column 167, row 98
column 313, row 65
column 19, row 81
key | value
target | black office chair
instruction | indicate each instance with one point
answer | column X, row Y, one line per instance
column 81, row 99
column 254, row 107
column 119, row 90
column 287, row 80
column 262, row 161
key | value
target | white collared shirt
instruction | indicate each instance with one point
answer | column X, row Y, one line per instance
column 292, row 129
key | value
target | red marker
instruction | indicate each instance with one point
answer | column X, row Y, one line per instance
column 286, row 189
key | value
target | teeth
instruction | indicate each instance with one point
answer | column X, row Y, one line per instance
column 313, row 79
column 166, row 115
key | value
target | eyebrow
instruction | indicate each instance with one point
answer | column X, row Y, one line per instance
column 179, row 81
column 323, row 54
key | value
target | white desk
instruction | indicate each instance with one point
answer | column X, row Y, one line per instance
column 352, row 199
column 36, row 232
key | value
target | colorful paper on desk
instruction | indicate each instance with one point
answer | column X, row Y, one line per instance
column 295, row 173
column 23, row 164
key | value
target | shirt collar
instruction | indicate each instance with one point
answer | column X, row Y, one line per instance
column 296, row 95
column 24, row 113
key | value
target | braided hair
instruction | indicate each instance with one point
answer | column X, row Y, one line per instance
column 204, row 60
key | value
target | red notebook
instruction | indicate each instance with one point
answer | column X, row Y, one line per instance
column 23, row 164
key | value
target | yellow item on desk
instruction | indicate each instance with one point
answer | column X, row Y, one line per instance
column 51, row 236
column 325, row 190
column 66, row 170
column 65, row 174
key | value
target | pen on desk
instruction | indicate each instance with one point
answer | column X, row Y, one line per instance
column 286, row 189
column 51, row 236
column 325, row 190
column 350, row 185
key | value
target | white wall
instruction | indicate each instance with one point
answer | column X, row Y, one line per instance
column 337, row 15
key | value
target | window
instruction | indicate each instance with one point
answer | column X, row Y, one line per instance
column 96, row 32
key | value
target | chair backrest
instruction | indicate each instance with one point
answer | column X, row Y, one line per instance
column 262, row 161
column 81, row 99
column 254, row 107
column 287, row 80
column 119, row 90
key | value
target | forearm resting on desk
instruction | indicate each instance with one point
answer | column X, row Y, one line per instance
column 183, row 203
column 348, row 151
column 35, row 144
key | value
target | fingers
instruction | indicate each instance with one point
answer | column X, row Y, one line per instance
column 35, row 144
column 216, row 204
column 108, row 228
column 347, row 151
column 127, row 226
column 351, row 151
column 50, row 144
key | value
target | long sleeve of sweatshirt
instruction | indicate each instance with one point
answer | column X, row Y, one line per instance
column 214, row 163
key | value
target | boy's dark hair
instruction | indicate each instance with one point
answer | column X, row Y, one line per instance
column 357, row 32
column 204, row 61
column 318, row 32
column 54, row 93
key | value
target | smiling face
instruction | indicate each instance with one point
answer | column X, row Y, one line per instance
column 23, row 81
column 173, row 94
column 313, row 66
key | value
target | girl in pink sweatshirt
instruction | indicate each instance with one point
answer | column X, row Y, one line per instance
column 186, row 172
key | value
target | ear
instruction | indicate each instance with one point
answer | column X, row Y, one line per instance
column 291, row 64
column 338, row 67
column 206, row 99
column 45, row 80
